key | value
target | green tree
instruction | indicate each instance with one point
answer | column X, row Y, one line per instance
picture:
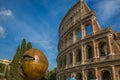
column 43, row 78
column 13, row 73
column 29, row 45
column 53, row 74
column 50, row 75
column 23, row 46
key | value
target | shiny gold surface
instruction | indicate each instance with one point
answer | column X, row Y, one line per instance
column 33, row 64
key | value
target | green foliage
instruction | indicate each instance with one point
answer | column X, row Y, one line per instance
column 23, row 46
column 50, row 75
column 13, row 73
column 43, row 78
column 53, row 74
column 29, row 45
column 2, row 68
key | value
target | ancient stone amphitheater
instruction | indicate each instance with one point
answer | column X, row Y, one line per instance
column 85, row 50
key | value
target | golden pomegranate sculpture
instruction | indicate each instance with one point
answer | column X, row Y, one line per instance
column 33, row 64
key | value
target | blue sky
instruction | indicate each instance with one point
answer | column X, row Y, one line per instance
column 38, row 21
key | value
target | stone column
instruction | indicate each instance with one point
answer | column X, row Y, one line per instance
column 96, row 73
column 93, row 26
column 97, row 51
column 83, row 54
column 74, row 57
column 67, row 60
column 94, row 49
column 83, row 31
column 84, row 75
column 74, row 36
column 113, row 71
column 109, row 44
column 100, row 77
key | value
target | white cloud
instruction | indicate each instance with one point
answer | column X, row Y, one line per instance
column 2, row 32
column 107, row 9
column 5, row 12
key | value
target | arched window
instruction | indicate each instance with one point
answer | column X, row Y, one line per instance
column 89, row 51
column 106, row 75
column 79, row 34
column 91, row 75
column 78, row 55
column 79, row 76
column 88, row 29
column 103, row 49
column 71, row 58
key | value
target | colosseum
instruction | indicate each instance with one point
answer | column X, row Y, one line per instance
column 85, row 50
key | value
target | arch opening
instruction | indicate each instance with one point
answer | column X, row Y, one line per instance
column 89, row 51
column 78, row 55
column 103, row 48
column 91, row 75
column 71, row 58
column 88, row 29
column 79, row 76
column 106, row 75
column 79, row 34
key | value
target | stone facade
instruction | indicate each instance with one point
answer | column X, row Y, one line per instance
column 6, row 66
column 85, row 50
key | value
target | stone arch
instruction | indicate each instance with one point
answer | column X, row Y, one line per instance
column 78, row 55
column 79, row 76
column 79, row 34
column 65, row 77
column 106, row 75
column 89, row 51
column 103, row 50
column 88, row 29
column 91, row 75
